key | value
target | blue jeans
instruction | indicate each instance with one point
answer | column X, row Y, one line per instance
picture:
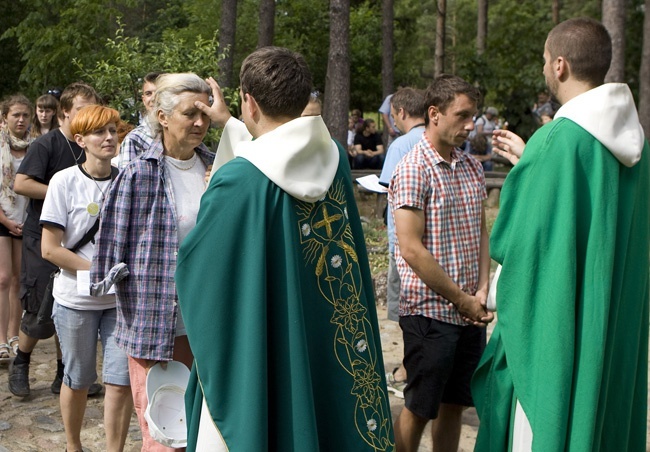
column 77, row 330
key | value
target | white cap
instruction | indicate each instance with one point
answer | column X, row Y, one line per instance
column 165, row 412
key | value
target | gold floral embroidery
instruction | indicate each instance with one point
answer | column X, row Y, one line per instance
column 328, row 244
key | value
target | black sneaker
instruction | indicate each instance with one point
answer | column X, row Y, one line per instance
column 56, row 385
column 94, row 389
column 19, row 379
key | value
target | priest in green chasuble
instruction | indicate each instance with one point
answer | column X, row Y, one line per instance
column 274, row 283
column 566, row 366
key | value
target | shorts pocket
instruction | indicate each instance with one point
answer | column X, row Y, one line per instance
column 29, row 295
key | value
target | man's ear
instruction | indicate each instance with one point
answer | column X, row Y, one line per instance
column 561, row 68
column 251, row 105
column 434, row 114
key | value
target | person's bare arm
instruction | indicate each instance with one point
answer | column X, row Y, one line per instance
column 379, row 151
column 484, row 259
column 56, row 253
column 26, row 186
column 409, row 226
column 386, row 120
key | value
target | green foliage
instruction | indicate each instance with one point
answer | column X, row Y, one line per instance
column 365, row 56
column 376, row 237
column 119, row 76
column 44, row 37
column 55, row 32
column 415, row 38
column 10, row 58
column 302, row 26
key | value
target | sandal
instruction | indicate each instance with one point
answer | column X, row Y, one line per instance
column 4, row 353
column 13, row 343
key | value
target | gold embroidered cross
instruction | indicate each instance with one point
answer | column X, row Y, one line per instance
column 327, row 221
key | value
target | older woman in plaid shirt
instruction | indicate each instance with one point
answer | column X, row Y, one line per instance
column 151, row 207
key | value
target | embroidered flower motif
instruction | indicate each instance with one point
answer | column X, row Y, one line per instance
column 306, row 230
column 348, row 313
column 336, row 261
column 366, row 386
column 372, row 425
column 361, row 346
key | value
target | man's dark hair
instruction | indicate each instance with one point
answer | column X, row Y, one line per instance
column 586, row 45
column 366, row 124
column 444, row 89
column 411, row 100
column 151, row 77
column 77, row 89
column 278, row 79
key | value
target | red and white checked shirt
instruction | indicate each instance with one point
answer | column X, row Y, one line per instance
column 451, row 196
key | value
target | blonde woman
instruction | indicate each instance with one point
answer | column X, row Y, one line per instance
column 14, row 140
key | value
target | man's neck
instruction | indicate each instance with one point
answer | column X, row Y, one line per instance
column 65, row 129
column 571, row 89
column 267, row 124
column 411, row 122
column 443, row 150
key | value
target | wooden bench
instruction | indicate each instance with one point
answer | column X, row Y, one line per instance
column 370, row 203
column 493, row 180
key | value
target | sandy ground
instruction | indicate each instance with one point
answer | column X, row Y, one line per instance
column 34, row 424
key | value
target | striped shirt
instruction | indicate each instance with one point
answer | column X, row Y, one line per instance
column 451, row 196
column 139, row 227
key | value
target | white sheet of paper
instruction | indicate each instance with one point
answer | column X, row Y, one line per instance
column 83, row 283
column 371, row 182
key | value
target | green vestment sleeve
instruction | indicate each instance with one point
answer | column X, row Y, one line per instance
column 571, row 342
column 277, row 299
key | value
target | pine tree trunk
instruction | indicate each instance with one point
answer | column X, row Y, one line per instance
column 614, row 21
column 227, row 41
column 644, row 75
column 337, row 83
column 482, row 28
column 267, row 23
column 556, row 11
column 439, row 67
column 387, row 43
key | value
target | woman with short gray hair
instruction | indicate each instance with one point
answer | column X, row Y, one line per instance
column 151, row 207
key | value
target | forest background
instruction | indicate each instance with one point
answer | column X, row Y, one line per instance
column 358, row 51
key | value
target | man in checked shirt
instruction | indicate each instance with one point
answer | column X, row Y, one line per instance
column 436, row 196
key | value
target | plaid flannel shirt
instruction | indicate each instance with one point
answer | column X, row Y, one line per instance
column 139, row 227
column 135, row 143
column 451, row 196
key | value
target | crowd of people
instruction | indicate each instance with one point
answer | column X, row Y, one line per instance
column 248, row 264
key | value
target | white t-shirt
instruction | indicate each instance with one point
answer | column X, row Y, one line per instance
column 73, row 203
column 187, row 178
column 19, row 212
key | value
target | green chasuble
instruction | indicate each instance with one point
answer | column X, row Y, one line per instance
column 571, row 342
column 277, row 298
